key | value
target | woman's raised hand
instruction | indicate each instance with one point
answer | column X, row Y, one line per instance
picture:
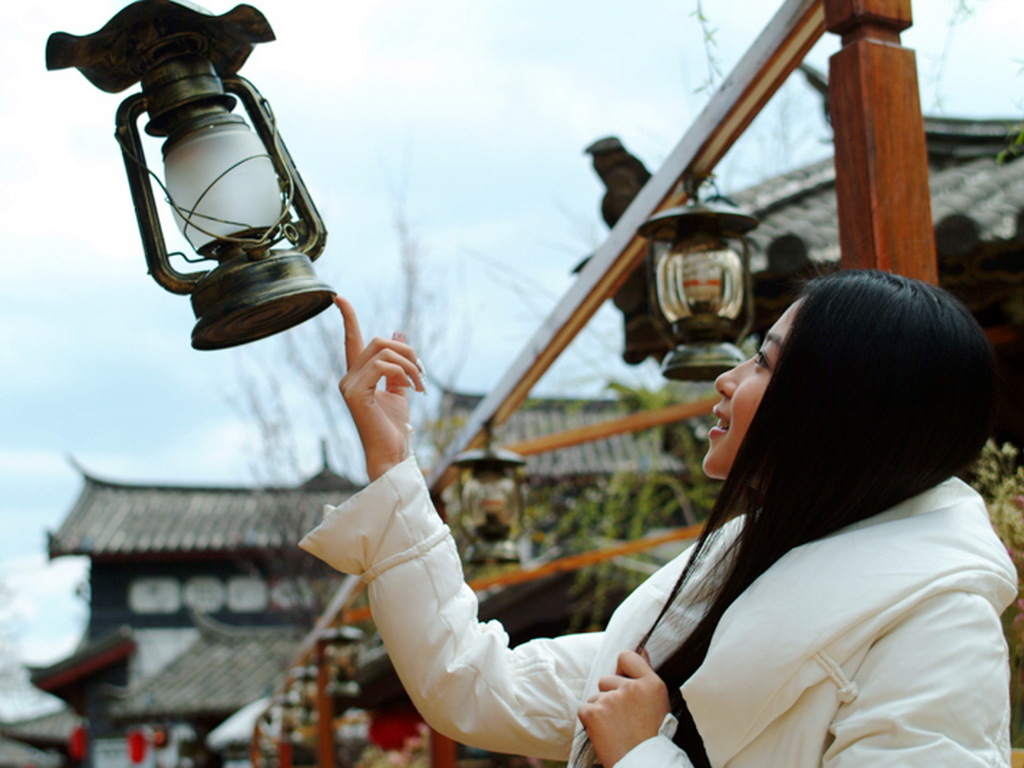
column 381, row 415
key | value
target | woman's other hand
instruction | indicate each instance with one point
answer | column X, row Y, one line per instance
column 630, row 707
column 381, row 415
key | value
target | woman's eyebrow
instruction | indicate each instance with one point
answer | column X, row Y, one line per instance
column 774, row 339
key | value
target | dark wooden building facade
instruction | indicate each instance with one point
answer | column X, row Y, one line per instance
column 197, row 600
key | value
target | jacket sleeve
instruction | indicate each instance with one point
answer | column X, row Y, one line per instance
column 460, row 673
column 658, row 750
column 932, row 691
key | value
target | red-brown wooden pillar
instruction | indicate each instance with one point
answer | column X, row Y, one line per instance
column 325, row 748
column 284, row 751
column 442, row 751
column 882, row 194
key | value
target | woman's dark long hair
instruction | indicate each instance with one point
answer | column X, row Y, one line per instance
column 883, row 388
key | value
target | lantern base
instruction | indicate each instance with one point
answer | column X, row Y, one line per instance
column 701, row 361
column 245, row 299
column 492, row 552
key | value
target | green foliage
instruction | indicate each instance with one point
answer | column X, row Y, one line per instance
column 661, row 488
column 1016, row 145
column 999, row 478
column 588, row 514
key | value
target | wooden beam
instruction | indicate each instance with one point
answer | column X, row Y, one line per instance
column 882, row 193
column 584, row 559
column 634, row 422
column 767, row 63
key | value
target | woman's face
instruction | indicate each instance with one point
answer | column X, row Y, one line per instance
column 742, row 389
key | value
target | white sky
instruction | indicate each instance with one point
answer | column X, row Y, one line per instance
column 478, row 111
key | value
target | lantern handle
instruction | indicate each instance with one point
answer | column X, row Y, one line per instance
column 691, row 184
column 311, row 229
column 127, row 135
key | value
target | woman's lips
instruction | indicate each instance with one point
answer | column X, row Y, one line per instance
column 721, row 427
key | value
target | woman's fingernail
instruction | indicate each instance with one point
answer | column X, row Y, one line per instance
column 398, row 336
column 423, row 376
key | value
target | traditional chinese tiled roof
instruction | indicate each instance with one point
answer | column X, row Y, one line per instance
column 117, row 520
column 52, row 729
column 15, row 754
column 628, row 452
column 225, row 669
column 975, row 198
column 90, row 657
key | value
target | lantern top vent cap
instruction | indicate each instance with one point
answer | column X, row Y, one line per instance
column 715, row 216
column 118, row 55
column 489, row 455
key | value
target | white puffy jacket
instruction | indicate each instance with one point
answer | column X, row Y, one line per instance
column 880, row 645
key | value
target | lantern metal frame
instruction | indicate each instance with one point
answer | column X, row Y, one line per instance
column 701, row 347
column 187, row 62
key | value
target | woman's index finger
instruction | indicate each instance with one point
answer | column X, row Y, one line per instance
column 353, row 335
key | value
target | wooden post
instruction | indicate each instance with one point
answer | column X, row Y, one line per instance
column 882, row 194
column 324, row 709
column 284, row 752
column 442, row 751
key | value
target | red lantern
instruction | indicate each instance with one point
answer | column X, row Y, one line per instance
column 390, row 728
column 138, row 744
column 160, row 738
column 77, row 742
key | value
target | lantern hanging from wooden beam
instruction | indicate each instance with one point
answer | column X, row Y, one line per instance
column 232, row 186
column 698, row 272
column 491, row 502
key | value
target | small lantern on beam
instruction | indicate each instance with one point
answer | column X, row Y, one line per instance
column 491, row 502
column 338, row 652
column 698, row 272
column 232, row 186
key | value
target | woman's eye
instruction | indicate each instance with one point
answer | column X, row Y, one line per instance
column 760, row 360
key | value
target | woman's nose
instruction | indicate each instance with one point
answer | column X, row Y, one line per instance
column 725, row 384
column 722, row 385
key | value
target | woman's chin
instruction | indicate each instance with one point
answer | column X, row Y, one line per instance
column 712, row 470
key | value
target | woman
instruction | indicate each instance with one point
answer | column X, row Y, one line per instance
column 840, row 609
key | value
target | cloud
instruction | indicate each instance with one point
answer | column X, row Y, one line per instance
column 47, row 616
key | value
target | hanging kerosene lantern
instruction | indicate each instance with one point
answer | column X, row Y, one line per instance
column 698, row 267
column 233, row 188
column 491, row 502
